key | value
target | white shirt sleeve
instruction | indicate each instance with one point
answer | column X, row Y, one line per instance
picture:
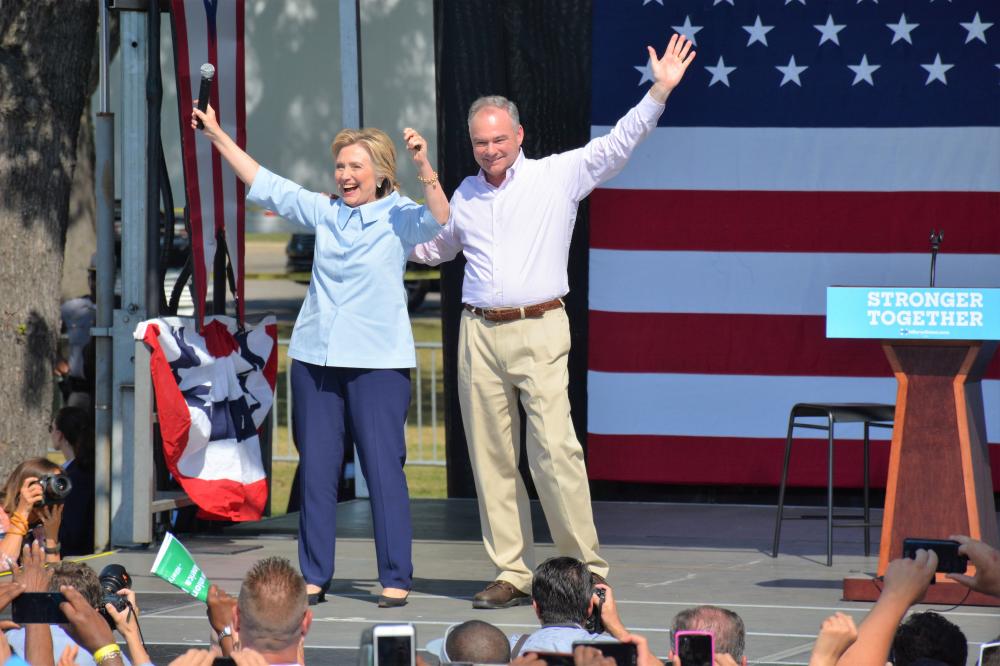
column 605, row 156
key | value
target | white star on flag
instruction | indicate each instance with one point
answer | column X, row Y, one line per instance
column 902, row 29
column 720, row 73
column 977, row 29
column 646, row 2
column 863, row 71
column 718, row 2
column 936, row 71
column 646, row 71
column 687, row 30
column 788, row 2
column 758, row 32
column 829, row 30
column 791, row 72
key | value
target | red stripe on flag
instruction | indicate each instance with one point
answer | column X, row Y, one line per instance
column 731, row 344
column 731, row 461
column 792, row 221
column 189, row 156
column 217, row 191
column 223, row 499
column 241, row 141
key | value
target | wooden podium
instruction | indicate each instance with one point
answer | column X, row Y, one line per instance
column 939, row 481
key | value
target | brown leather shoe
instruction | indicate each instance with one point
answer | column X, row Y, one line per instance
column 597, row 579
column 500, row 594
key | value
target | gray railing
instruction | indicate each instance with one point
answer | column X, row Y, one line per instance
column 424, row 433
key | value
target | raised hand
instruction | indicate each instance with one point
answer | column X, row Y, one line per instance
column 669, row 70
column 836, row 634
column 907, row 580
column 33, row 575
column 417, row 146
column 88, row 627
column 219, row 608
column 51, row 520
column 987, row 562
column 31, row 494
column 208, row 119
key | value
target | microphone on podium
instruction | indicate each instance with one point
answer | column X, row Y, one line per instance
column 205, row 91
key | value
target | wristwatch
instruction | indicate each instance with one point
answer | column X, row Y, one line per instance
column 227, row 632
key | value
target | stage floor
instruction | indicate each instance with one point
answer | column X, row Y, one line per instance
column 664, row 558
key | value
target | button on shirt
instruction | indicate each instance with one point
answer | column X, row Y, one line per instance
column 354, row 314
column 516, row 237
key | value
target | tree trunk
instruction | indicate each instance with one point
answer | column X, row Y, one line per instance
column 46, row 48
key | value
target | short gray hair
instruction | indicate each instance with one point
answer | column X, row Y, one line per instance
column 498, row 102
column 727, row 627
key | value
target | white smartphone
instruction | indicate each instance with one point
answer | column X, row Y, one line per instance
column 394, row 645
column 989, row 654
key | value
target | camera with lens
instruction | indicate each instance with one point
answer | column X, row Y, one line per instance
column 113, row 578
column 593, row 623
column 55, row 489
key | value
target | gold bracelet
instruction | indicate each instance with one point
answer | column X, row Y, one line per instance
column 428, row 181
column 109, row 651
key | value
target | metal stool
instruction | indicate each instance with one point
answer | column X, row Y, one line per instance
column 873, row 415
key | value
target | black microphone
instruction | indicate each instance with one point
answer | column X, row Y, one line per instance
column 205, row 91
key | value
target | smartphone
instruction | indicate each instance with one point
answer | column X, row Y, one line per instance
column 394, row 645
column 695, row 648
column 554, row 658
column 38, row 608
column 949, row 560
column 624, row 654
column 989, row 654
column 223, row 661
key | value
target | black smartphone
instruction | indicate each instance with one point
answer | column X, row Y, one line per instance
column 38, row 608
column 695, row 648
column 624, row 654
column 223, row 661
column 949, row 559
column 554, row 658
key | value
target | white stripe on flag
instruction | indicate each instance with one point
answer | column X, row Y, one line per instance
column 792, row 283
column 822, row 159
column 735, row 405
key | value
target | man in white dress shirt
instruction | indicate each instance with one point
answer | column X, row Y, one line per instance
column 514, row 221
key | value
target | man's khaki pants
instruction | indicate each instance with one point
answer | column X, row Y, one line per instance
column 498, row 363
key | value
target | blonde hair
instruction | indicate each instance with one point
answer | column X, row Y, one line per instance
column 31, row 467
column 380, row 149
column 272, row 603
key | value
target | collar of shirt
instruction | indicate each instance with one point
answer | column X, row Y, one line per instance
column 368, row 212
column 511, row 171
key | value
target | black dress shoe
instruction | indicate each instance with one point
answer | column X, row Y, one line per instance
column 392, row 602
column 316, row 597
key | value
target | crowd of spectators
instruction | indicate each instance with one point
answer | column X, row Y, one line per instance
column 269, row 620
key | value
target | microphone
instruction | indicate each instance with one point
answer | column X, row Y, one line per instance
column 205, row 91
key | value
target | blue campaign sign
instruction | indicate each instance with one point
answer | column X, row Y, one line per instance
column 899, row 313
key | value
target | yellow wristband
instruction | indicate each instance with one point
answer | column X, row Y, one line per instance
column 109, row 651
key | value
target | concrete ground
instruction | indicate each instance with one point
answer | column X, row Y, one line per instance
column 664, row 557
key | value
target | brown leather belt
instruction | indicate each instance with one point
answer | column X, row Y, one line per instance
column 513, row 314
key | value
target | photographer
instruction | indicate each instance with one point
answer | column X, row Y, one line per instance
column 31, row 510
column 567, row 605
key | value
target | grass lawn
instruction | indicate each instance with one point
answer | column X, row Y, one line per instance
column 424, row 480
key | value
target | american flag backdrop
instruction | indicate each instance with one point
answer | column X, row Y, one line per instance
column 811, row 143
